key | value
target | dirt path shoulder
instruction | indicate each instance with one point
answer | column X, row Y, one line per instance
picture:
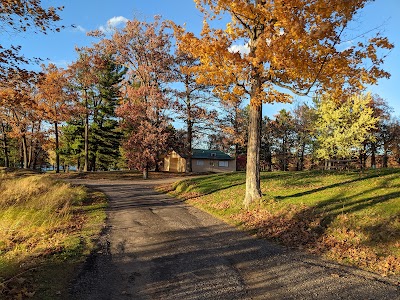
column 156, row 247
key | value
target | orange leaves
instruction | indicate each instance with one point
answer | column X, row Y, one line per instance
column 218, row 66
column 206, row 29
column 144, row 49
column 292, row 45
column 55, row 96
column 7, row 95
column 18, row 102
column 381, row 42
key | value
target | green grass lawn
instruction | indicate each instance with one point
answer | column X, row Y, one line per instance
column 47, row 227
column 351, row 217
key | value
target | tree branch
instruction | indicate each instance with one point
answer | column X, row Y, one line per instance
column 325, row 61
column 242, row 85
column 288, row 87
column 236, row 15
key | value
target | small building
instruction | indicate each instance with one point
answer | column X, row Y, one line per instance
column 202, row 161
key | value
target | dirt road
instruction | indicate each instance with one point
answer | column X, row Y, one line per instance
column 156, row 247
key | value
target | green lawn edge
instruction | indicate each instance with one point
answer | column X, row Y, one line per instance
column 351, row 217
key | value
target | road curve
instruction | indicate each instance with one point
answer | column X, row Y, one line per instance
column 156, row 247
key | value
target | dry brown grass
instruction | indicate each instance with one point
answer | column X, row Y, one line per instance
column 42, row 220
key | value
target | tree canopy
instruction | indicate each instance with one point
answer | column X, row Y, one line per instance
column 293, row 47
column 343, row 127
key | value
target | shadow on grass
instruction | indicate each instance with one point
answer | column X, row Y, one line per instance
column 307, row 226
column 327, row 187
column 206, row 185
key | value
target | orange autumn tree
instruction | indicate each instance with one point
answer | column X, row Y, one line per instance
column 55, row 101
column 18, row 109
column 292, row 47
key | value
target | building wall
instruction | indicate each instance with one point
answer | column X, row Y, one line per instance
column 208, row 165
column 174, row 163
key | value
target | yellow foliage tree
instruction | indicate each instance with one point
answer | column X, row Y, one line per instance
column 342, row 127
column 291, row 47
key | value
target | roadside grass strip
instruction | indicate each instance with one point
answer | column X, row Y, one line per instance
column 350, row 217
column 47, row 227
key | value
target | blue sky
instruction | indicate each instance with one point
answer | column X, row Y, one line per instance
column 94, row 14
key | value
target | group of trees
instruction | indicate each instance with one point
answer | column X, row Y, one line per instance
column 68, row 114
column 294, row 47
column 20, row 119
column 358, row 133
column 122, row 92
column 112, row 107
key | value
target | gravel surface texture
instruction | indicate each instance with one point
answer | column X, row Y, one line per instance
column 157, row 247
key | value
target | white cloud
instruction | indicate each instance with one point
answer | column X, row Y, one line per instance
column 79, row 28
column 242, row 49
column 104, row 29
column 113, row 23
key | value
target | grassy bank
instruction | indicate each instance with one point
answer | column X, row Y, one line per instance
column 46, row 228
column 350, row 217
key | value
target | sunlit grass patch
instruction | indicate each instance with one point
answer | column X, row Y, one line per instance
column 351, row 217
column 204, row 185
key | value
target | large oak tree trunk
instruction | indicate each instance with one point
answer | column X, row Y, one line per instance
column 253, row 189
column 189, row 122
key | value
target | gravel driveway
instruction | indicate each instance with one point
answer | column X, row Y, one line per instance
column 156, row 247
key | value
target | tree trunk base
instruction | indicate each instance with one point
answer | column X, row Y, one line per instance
column 253, row 188
column 146, row 173
column 252, row 195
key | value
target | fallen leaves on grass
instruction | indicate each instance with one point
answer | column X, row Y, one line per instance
column 18, row 287
column 356, row 254
column 302, row 227
column 222, row 205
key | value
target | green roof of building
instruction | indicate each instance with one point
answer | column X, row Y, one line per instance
column 210, row 154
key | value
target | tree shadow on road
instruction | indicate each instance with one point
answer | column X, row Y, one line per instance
column 187, row 259
column 220, row 263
